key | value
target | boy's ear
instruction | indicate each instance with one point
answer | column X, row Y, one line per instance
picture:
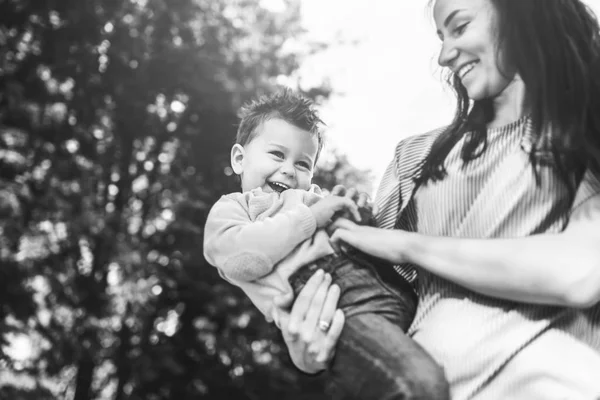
column 237, row 158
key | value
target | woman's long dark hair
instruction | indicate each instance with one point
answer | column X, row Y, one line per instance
column 555, row 47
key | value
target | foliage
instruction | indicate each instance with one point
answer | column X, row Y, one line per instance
column 116, row 119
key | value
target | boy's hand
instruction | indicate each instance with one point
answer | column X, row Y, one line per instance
column 366, row 209
column 325, row 209
column 360, row 198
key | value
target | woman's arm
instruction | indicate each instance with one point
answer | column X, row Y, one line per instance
column 560, row 269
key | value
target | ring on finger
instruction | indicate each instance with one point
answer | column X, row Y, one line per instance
column 324, row 325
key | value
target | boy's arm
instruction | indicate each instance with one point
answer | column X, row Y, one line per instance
column 247, row 250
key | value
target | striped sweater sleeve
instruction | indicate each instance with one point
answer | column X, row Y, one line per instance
column 397, row 183
column 397, row 186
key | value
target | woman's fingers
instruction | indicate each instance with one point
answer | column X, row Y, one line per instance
column 303, row 302
column 329, row 307
column 343, row 223
column 319, row 348
column 330, row 341
column 314, row 312
column 339, row 231
column 341, row 237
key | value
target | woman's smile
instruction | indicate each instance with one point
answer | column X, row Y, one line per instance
column 465, row 69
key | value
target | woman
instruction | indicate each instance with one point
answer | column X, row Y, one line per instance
column 500, row 210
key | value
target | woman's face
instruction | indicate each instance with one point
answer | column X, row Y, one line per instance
column 467, row 29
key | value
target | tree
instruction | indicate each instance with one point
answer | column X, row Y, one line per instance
column 116, row 119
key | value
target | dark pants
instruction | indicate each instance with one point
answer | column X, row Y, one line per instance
column 374, row 358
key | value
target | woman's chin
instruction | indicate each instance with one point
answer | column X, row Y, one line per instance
column 476, row 94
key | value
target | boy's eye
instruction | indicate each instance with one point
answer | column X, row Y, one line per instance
column 304, row 164
column 276, row 153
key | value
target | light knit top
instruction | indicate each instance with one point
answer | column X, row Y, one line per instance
column 491, row 348
column 258, row 239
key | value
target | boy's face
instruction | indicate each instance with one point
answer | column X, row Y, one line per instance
column 280, row 157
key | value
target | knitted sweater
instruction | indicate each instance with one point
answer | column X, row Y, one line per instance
column 258, row 239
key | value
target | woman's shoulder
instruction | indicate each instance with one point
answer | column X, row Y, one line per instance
column 416, row 147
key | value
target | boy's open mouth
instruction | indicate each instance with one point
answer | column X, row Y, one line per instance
column 278, row 187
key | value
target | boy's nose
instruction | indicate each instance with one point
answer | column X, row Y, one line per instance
column 288, row 169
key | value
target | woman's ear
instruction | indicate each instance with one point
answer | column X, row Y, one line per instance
column 237, row 158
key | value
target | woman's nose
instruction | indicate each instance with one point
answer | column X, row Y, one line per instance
column 448, row 54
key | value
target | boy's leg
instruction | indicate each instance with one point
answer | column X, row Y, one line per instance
column 376, row 360
column 374, row 357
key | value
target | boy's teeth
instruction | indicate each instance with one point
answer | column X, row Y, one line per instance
column 278, row 186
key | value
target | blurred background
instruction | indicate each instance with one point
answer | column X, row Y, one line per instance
column 116, row 120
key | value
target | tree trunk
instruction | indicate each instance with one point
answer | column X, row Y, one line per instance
column 122, row 361
column 85, row 374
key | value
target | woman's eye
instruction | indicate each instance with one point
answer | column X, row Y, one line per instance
column 460, row 29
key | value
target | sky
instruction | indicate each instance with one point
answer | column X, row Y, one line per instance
column 388, row 86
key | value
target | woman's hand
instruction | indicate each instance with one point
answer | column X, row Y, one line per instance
column 383, row 243
column 313, row 327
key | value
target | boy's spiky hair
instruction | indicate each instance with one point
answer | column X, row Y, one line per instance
column 286, row 105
